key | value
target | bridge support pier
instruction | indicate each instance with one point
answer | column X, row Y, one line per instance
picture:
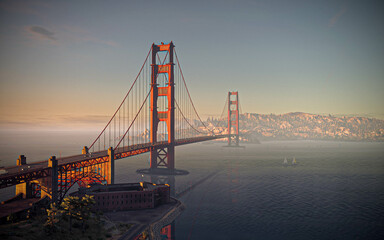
column 85, row 150
column 23, row 188
column 171, row 157
column 52, row 163
column 111, row 166
column 163, row 158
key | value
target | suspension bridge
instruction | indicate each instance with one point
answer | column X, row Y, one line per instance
column 156, row 115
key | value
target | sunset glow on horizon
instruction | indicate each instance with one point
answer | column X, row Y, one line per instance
column 68, row 64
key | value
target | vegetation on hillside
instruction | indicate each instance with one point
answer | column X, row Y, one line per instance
column 72, row 219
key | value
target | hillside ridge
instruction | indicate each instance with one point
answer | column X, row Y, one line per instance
column 300, row 125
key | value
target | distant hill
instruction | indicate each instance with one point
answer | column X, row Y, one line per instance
column 298, row 125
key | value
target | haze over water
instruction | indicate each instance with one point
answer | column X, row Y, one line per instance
column 336, row 191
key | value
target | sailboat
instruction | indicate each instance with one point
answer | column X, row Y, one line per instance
column 285, row 163
column 294, row 161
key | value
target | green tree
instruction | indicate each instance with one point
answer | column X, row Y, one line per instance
column 71, row 208
column 77, row 208
column 86, row 204
column 53, row 217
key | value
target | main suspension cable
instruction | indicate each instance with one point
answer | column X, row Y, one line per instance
column 134, row 82
column 177, row 105
column 190, row 99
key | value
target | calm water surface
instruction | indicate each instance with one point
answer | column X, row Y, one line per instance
column 336, row 191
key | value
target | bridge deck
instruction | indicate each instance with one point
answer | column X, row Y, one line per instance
column 37, row 170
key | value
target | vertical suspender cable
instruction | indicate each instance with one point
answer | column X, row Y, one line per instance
column 108, row 124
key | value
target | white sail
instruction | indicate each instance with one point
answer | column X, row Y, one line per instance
column 294, row 161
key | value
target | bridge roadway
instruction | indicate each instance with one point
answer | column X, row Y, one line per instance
column 18, row 174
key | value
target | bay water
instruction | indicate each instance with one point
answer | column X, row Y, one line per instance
column 335, row 191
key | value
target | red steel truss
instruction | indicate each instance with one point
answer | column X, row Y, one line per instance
column 7, row 180
column 83, row 169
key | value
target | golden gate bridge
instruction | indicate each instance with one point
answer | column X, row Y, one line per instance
column 156, row 115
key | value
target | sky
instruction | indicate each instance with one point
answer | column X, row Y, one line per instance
column 69, row 64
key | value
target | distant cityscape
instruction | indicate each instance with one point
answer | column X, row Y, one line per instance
column 298, row 125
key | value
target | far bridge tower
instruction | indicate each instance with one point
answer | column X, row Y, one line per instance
column 233, row 119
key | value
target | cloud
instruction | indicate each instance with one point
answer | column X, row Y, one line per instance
column 41, row 33
column 86, row 122
column 87, row 119
column 67, row 35
column 336, row 17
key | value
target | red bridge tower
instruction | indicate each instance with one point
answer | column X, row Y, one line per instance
column 163, row 157
column 233, row 119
